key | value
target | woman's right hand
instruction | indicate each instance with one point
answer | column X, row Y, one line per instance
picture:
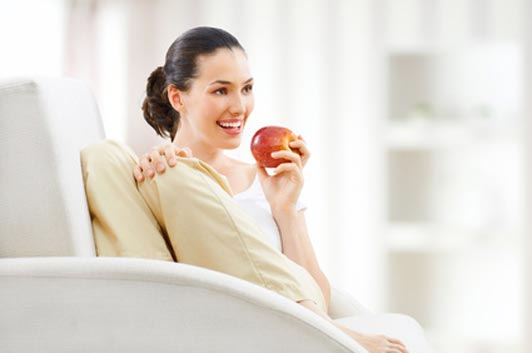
column 151, row 162
column 378, row 343
column 372, row 343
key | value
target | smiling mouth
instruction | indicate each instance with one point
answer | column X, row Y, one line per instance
column 230, row 125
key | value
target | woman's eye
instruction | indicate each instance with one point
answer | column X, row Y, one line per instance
column 248, row 88
column 220, row 91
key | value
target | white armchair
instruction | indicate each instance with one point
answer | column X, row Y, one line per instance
column 56, row 296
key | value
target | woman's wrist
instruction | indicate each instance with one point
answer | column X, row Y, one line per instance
column 281, row 212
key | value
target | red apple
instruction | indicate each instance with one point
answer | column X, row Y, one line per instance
column 271, row 139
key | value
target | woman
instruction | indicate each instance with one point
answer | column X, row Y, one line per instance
column 201, row 99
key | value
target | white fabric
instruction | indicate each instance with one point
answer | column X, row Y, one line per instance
column 253, row 201
column 72, row 304
column 43, row 125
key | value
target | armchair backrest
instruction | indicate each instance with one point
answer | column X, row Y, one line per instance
column 43, row 125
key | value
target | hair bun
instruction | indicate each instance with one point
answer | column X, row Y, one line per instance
column 156, row 108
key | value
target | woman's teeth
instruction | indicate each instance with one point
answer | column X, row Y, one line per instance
column 231, row 125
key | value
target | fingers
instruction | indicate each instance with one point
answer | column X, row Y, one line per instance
column 137, row 172
column 302, row 149
column 152, row 162
column 145, row 166
column 156, row 161
column 288, row 168
column 281, row 168
column 397, row 349
column 288, row 155
column 262, row 172
column 397, row 345
column 171, row 151
column 396, row 341
column 185, row 152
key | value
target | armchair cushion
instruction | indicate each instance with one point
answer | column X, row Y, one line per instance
column 102, row 305
column 43, row 125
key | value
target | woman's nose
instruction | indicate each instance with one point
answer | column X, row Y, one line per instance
column 238, row 106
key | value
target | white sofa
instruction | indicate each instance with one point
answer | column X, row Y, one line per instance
column 57, row 296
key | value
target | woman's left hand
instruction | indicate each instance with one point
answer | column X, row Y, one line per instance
column 301, row 146
column 283, row 187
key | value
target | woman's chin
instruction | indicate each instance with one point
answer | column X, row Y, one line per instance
column 232, row 146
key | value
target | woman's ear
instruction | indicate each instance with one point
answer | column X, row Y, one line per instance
column 175, row 97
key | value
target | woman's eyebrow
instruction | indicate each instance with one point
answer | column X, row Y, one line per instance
column 224, row 82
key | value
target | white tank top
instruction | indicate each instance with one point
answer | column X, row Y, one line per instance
column 253, row 201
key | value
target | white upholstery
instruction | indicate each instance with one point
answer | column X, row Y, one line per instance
column 43, row 124
column 133, row 305
column 55, row 296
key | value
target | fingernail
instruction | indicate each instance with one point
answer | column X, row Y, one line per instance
column 150, row 172
column 160, row 167
column 172, row 161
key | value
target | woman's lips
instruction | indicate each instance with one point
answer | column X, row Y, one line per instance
column 231, row 126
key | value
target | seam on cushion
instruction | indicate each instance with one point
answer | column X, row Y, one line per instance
column 244, row 245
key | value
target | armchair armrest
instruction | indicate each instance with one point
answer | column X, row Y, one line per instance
column 65, row 304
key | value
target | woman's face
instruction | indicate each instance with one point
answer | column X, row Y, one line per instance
column 216, row 107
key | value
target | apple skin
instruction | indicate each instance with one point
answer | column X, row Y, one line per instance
column 271, row 139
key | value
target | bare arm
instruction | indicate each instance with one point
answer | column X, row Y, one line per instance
column 294, row 236
column 282, row 189
column 298, row 247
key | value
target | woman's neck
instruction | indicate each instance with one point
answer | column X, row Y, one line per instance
column 212, row 156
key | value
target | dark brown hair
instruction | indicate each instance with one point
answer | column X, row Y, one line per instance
column 179, row 69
